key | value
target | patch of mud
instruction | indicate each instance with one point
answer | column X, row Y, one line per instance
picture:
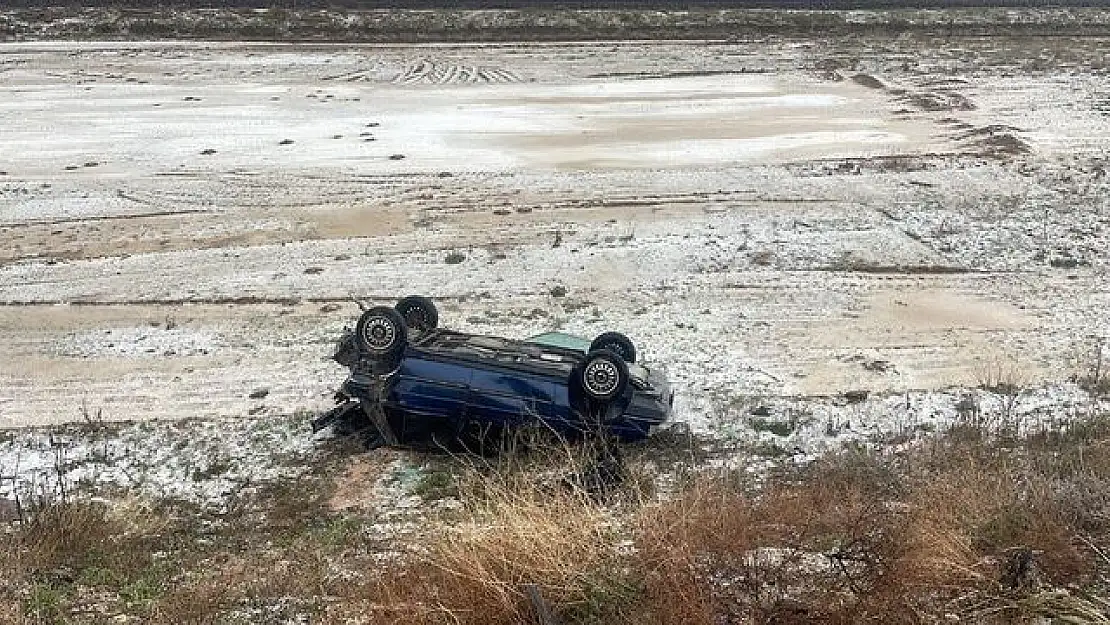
column 358, row 485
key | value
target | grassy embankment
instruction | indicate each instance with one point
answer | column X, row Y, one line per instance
column 977, row 524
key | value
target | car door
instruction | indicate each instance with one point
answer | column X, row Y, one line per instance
column 431, row 387
column 509, row 396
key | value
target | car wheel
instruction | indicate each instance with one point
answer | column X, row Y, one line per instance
column 603, row 375
column 617, row 343
column 381, row 332
column 419, row 313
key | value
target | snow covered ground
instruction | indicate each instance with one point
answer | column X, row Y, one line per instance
column 776, row 223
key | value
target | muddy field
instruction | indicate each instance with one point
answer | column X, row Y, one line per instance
column 183, row 226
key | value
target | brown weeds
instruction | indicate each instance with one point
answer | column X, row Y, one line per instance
column 962, row 526
column 976, row 525
column 523, row 524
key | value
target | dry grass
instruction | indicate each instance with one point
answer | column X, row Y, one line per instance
column 477, row 571
column 1091, row 366
column 530, row 519
column 960, row 526
column 968, row 526
column 1002, row 374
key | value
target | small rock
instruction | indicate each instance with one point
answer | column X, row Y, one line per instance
column 855, row 397
column 207, row 152
column 761, row 411
column 878, row 366
column 313, row 270
column 868, row 81
column 91, row 164
column 259, row 393
column 285, row 142
column 558, row 291
column 330, row 307
column 396, row 157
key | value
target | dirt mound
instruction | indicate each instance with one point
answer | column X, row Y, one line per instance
column 936, row 101
column 868, row 81
column 997, row 140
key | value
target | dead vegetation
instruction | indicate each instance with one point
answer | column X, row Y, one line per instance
column 1091, row 366
column 973, row 525
column 528, row 24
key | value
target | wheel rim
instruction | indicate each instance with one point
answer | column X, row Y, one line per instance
column 379, row 334
column 601, row 378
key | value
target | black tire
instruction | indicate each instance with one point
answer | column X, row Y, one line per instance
column 346, row 351
column 602, row 376
column 617, row 343
column 419, row 313
column 381, row 333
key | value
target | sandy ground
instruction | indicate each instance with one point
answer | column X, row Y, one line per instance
column 184, row 225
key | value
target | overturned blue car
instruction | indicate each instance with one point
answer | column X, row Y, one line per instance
column 413, row 384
